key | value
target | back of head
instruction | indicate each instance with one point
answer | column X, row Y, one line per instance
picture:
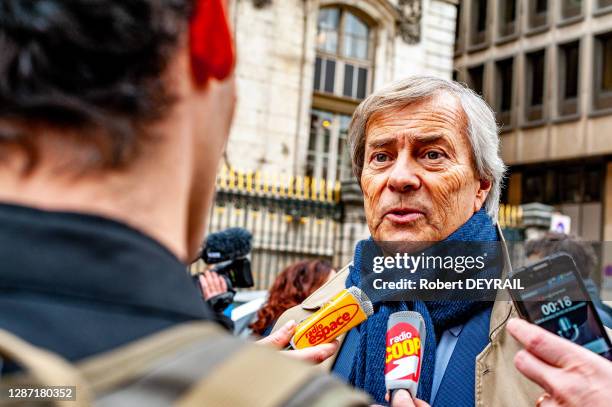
column 93, row 65
column 553, row 242
column 292, row 286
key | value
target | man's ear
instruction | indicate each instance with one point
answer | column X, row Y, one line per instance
column 484, row 188
column 211, row 47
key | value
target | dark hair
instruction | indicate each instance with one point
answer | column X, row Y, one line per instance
column 292, row 286
column 553, row 242
column 87, row 64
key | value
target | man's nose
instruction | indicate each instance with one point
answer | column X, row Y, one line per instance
column 403, row 176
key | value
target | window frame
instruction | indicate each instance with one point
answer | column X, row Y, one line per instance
column 472, row 26
column 459, row 47
column 468, row 77
column 596, row 94
column 495, row 99
column 528, row 109
column 601, row 10
column 500, row 39
column 563, row 21
column 328, row 160
column 560, row 77
column 342, row 61
column 537, row 29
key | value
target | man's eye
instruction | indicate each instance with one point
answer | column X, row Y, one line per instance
column 433, row 155
column 380, row 157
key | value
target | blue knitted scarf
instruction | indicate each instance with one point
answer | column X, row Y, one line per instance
column 368, row 366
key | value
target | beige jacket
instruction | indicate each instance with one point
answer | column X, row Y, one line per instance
column 498, row 383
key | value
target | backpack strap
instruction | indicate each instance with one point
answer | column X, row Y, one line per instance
column 44, row 368
column 258, row 375
column 198, row 364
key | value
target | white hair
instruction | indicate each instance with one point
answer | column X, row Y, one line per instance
column 481, row 129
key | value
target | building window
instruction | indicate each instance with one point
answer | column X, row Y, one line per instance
column 568, row 67
column 458, row 30
column 478, row 22
column 563, row 184
column 538, row 13
column 507, row 18
column 602, row 94
column 604, row 3
column 535, row 68
column 571, row 9
column 328, row 157
column 504, row 81
column 475, row 79
column 343, row 63
column 342, row 76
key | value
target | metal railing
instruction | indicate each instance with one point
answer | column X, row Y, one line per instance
column 291, row 218
column 296, row 218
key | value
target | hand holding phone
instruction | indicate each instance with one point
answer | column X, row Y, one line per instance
column 571, row 375
column 554, row 298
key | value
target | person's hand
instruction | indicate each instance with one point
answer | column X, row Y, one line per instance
column 212, row 284
column 401, row 398
column 315, row 354
column 570, row 374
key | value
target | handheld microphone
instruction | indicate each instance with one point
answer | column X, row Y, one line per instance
column 345, row 311
column 404, row 351
column 229, row 250
column 228, row 244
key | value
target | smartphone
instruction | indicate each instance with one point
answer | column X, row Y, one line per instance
column 554, row 297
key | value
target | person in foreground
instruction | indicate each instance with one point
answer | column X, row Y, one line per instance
column 113, row 118
column 425, row 153
column 571, row 375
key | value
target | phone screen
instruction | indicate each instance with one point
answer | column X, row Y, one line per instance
column 559, row 305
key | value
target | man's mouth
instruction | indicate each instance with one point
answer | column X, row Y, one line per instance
column 404, row 215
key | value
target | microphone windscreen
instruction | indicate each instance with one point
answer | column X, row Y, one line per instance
column 228, row 244
column 405, row 344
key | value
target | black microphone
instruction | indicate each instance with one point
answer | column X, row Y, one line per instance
column 226, row 245
column 228, row 249
column 406, row 335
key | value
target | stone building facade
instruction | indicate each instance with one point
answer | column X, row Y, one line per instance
column 304, row 65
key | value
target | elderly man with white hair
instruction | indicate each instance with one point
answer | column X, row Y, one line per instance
column 426, row 154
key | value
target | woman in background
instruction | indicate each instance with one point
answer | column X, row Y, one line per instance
column 292, row 286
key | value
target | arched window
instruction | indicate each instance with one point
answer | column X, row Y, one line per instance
column 342, row 76
column 343, row 62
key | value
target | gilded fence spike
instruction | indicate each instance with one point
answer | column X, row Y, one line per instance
column 232, row 179
column 249, row 181
column 266, row 184
column 258, row 184
column 306, row 187
column 322, row 190
column 290, row 187
column 240, row 180
column 282, row 186
column 298, row 187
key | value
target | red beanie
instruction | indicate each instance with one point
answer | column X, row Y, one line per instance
column 210, row 42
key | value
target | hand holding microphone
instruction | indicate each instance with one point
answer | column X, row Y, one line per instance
column 342, row 313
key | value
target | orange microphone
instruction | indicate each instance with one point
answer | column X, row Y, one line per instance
column 342, row 313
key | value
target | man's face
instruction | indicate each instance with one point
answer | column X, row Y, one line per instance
column 418, row 178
